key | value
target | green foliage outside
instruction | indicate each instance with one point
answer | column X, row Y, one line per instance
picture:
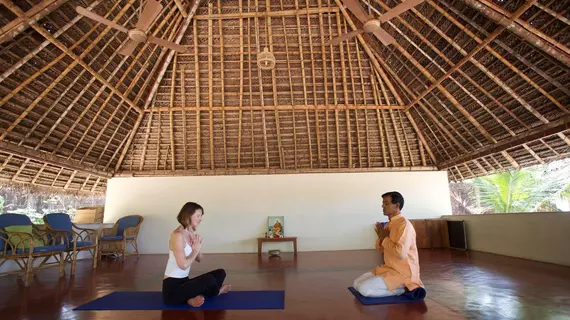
column 535, row 189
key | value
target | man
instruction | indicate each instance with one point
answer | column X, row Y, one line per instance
column 397, row 240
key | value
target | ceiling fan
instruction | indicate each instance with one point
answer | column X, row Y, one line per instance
column 372, row 25
column 139, row 34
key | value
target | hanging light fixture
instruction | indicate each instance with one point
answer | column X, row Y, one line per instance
column 266, row 60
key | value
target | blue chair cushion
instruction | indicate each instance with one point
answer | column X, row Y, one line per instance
column 40, row 249
column 60, row 221
column 49, row 248
column 115, row 238
column 81, row 244
column 126, row 222
column 10, row 252
column 12, row 219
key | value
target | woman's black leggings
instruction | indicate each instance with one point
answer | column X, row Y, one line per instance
column 179, row 290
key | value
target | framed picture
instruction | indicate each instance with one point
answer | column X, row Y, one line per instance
column 275, row 226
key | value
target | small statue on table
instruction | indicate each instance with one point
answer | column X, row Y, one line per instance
column 275, row 228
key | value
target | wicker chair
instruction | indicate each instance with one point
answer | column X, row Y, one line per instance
column 84, row 240
column 23, row 247
column 115, row 240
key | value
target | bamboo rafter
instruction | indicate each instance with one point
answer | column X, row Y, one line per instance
column 70, row 53
column 31, row 16
column 491, row 37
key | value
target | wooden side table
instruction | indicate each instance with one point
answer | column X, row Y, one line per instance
column 260, row 242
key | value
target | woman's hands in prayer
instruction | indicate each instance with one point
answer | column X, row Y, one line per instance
column 196, row 242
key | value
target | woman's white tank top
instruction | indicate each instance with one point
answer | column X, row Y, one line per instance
column 172, row 269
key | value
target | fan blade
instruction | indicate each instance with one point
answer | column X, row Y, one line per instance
column 384, row 36
column 150, row 12
column 168, row 44
column 404, row 6
column 98, row 18
column 128, row 48
column 344, row 37
column 355, row 7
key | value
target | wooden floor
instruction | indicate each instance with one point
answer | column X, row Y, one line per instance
column 459, row 284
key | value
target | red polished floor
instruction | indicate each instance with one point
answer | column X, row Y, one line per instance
column 460, row 285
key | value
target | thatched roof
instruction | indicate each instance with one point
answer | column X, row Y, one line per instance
column 470, row 86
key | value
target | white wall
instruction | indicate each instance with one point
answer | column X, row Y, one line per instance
column 333, row 211
column 536, row 235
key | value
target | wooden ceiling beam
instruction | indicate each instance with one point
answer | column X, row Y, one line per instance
column 197, row 93
column 368, row 51
column 44, row 44
column 313, row 73
column 264, row 14
column 56, row 60
column 523, row 29
column 380, row 71
column 238, row 171
column 180, row 7
column 51, row 159
column 129, row 140
column 551, row 128
column 491, row 37
column 62, row 47
column 53, row 189
column 419, row 35
column 119, row 66
column 273, row 80
column 412, row 95
column 16, row 10
column 261, row 97
column 119, row 148
column 442, row 56
column 281, row 108
column 20, row 24
column 101, row 90
column 507, row 48
column 449, row 96
column 493, row 77
column 173, row 24
column 224, row 134
column 211, row 87
column 486, row 71
column 559, row 16
column 161, row 73
column 168, row 59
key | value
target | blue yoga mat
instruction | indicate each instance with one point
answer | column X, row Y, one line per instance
column 409, row 296
column 152, row 300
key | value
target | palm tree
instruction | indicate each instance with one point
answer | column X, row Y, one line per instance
column 523, row 190
column 463, row 198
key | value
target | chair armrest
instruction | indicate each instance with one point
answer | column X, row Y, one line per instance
column 56, row 237
column 130, row 232
column 24, row 236
column 4, row 250
column 79, row 228
column 107, row 232
column 86, row 234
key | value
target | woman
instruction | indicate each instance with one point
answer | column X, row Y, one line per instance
column 185, row 247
